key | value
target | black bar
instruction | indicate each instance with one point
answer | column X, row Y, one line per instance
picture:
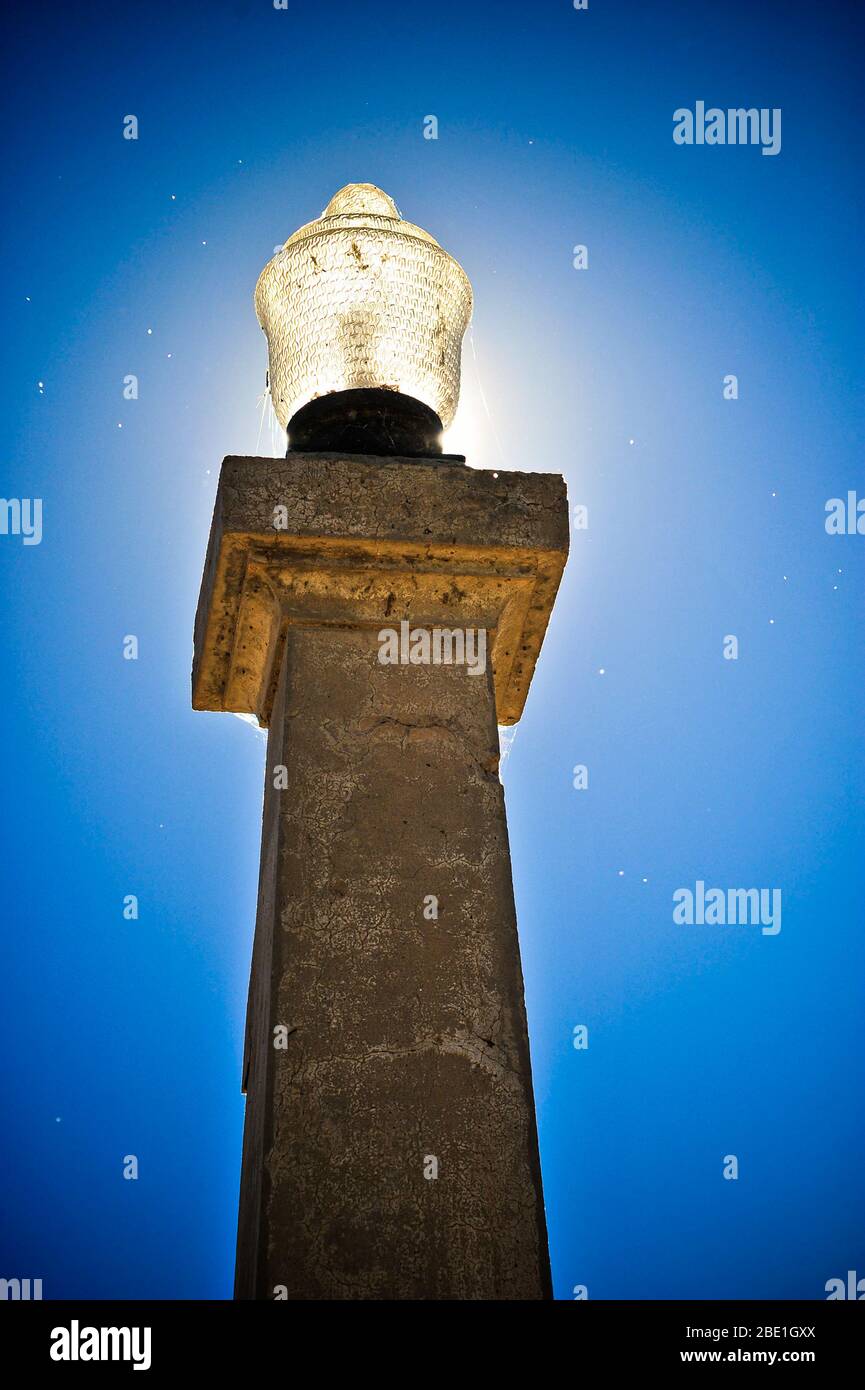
column 255, row 1338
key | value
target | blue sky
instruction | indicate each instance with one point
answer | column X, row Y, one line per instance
column 706, row 518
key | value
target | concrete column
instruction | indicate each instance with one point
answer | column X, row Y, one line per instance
column 390, row 1148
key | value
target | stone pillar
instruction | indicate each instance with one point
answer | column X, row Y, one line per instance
column 390, row 1148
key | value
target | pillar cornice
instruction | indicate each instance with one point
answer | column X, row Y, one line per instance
column 353, row 541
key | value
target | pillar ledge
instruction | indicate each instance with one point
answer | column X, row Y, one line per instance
column 356, row 541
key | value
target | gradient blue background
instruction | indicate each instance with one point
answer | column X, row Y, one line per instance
column 554, row 129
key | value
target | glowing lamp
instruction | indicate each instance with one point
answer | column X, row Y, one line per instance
column 362, row 302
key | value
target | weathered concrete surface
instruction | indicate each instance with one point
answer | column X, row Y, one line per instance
column 373, row 540
column 406, row 1036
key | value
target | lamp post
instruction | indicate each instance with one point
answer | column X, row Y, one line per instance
column 380, row 606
